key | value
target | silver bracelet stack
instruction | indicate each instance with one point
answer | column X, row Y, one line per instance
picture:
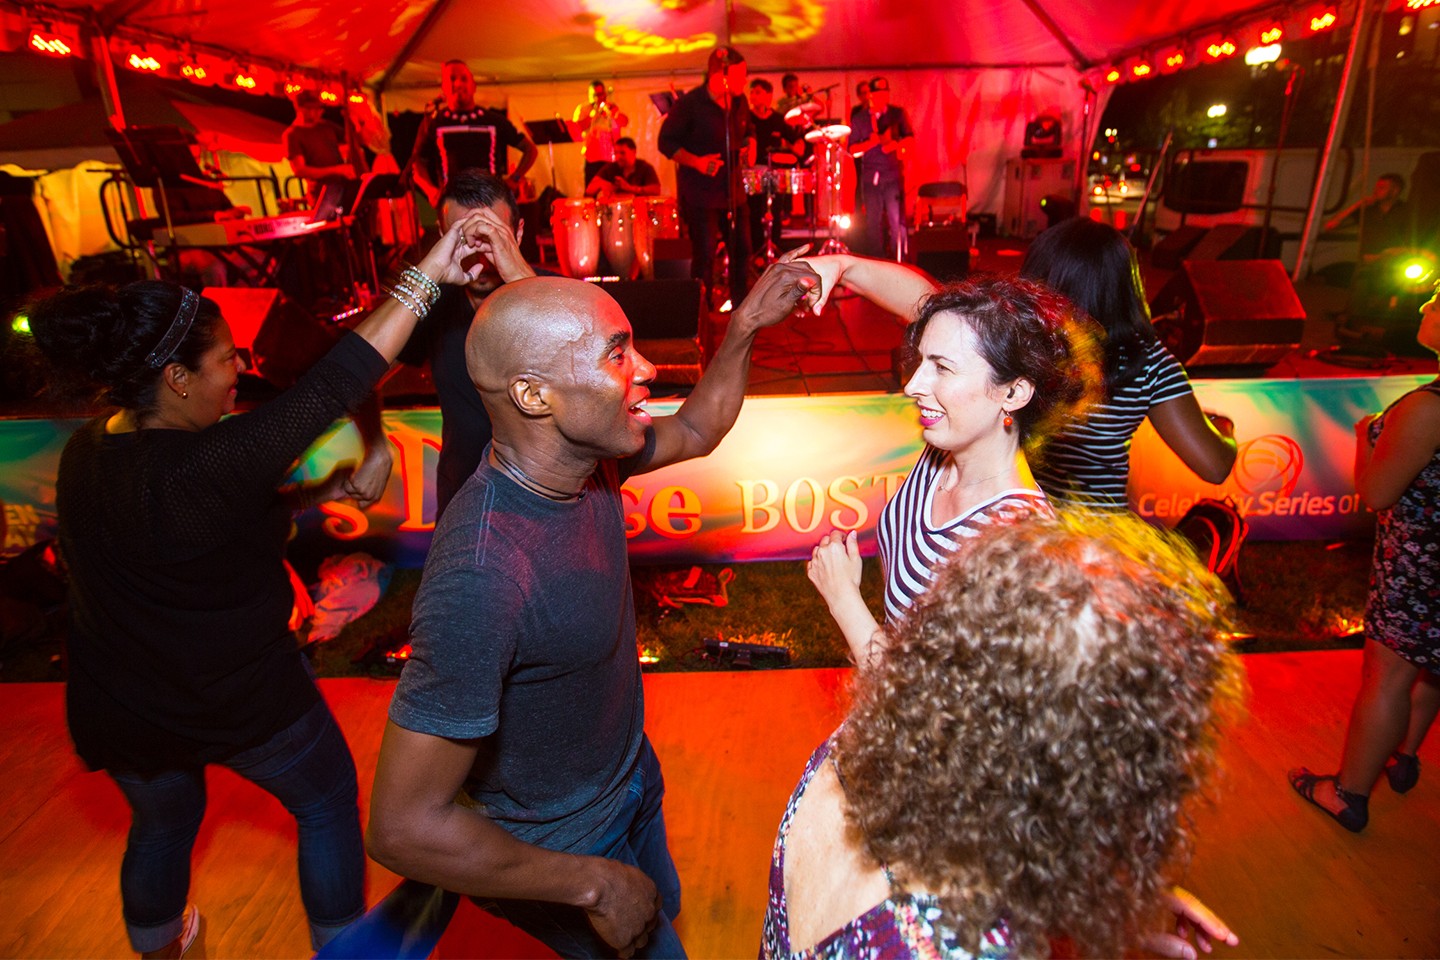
column 415, row 292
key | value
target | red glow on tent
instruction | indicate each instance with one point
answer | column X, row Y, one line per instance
column 1221, row 50
column 1271, row 34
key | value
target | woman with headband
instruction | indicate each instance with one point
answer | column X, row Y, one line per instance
column 173, row 522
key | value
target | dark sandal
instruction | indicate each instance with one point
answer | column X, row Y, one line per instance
column 1403, row 771
column 1357, row 807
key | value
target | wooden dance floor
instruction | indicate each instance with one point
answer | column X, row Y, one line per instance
column 1292, row 883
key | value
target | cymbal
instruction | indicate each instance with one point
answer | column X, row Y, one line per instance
column 803, row 112
column 835, row 131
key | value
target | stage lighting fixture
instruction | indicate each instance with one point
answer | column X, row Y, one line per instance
column 21, row 324
column 1258, row 55
column 1112, row 75
column 1221, row 49
column 1323, row 20
column 1271, row 34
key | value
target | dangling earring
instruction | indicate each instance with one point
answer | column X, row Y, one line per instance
column 1009, row 421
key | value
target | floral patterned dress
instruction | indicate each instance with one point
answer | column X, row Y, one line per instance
column 1403, row 608
column 904, row 925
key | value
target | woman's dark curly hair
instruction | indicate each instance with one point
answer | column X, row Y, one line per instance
column 103, row 335
column 1039, row 721
column 1023, row 330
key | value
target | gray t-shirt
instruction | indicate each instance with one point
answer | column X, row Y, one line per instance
column 523, row 638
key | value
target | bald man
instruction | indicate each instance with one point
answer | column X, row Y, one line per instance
column 515, row 766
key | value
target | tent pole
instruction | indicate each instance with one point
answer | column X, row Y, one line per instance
column 1337, row 129
column 105, row 74
column 411, row 45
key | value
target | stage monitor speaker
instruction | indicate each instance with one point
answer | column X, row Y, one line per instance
column 1234, row 241
column 942, row 252
column 1175, row 247
column 283, row 339
column 1229, row 312
column 665, row 315
column 672, row 258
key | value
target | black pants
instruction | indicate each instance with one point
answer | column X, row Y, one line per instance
column 706, row 225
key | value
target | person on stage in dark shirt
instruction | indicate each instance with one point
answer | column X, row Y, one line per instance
column 599, row 122
column 776, row 144
column 440, row 337
column 696, row 135
column 316, row 147
column 458, row 134
column 880, row 135
column 626, row 176
column 515, row 767
column 1386, row 218
column 173, row 523
column 793, row 94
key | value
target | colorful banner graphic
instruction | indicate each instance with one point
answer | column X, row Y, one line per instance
column 794, row 468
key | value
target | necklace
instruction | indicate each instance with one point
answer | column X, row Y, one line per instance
column 514, row 472
column 957, row 485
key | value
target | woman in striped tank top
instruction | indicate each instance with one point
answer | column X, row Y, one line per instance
column 998, row 363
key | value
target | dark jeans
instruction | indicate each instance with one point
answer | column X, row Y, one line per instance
column 706, row 225
column 410, row 920
column 308, row 768
column 884, row 216
column 636, row 837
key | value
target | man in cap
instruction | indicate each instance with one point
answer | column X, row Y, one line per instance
column 880, row 135
column 708, row 133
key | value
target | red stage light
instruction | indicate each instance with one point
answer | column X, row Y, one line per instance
column 1323, row 21
column 139, row 60
column 328, row 97
column 1175, row 59
column 1112, row 76
column 1221, row 50
column 244, row 81
column 357, row 98
column 1271, row 34
column 48, row 43
column 1420, row 4
column 193, row 71
column 1141, row 69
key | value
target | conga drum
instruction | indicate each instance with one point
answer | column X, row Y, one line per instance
column 663, row 214
column 621, row 232
column 577, row 236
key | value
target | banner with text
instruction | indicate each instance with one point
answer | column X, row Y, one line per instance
column 794, row 468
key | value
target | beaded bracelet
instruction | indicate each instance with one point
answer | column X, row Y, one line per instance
column 425, row 296
column 416, row 275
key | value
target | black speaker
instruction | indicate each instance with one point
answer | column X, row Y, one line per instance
column 942, row 252
column 1175, row 247
column 283, row 339
column 1235, row 241
column 672, row 258
column 1231, row 312
column 665, row 315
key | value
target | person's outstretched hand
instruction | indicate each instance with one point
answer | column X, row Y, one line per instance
column 1192, row 918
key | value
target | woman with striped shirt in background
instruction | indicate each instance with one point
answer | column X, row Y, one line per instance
column 1088, row 461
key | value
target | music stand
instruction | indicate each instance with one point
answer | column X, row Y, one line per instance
column 550, row 132
column 663, row 101
column 156, row 157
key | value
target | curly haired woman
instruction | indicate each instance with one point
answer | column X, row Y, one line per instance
column 1014, row 769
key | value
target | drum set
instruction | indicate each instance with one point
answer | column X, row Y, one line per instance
column 821, row 174
column 623, row 228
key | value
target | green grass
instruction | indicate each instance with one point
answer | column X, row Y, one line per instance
column 1299, row 596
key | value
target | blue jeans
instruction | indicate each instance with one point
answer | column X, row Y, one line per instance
column 884, row 216
column 308, row 768
column 410, row 920
column 636, row 837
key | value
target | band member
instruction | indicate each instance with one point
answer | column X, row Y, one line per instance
column 599, row 123
column 458, row 135
column 317, row 148
column 794, row 94
column 626, row 176
column 776, row 144
column 880, row 136
column 697, row 133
